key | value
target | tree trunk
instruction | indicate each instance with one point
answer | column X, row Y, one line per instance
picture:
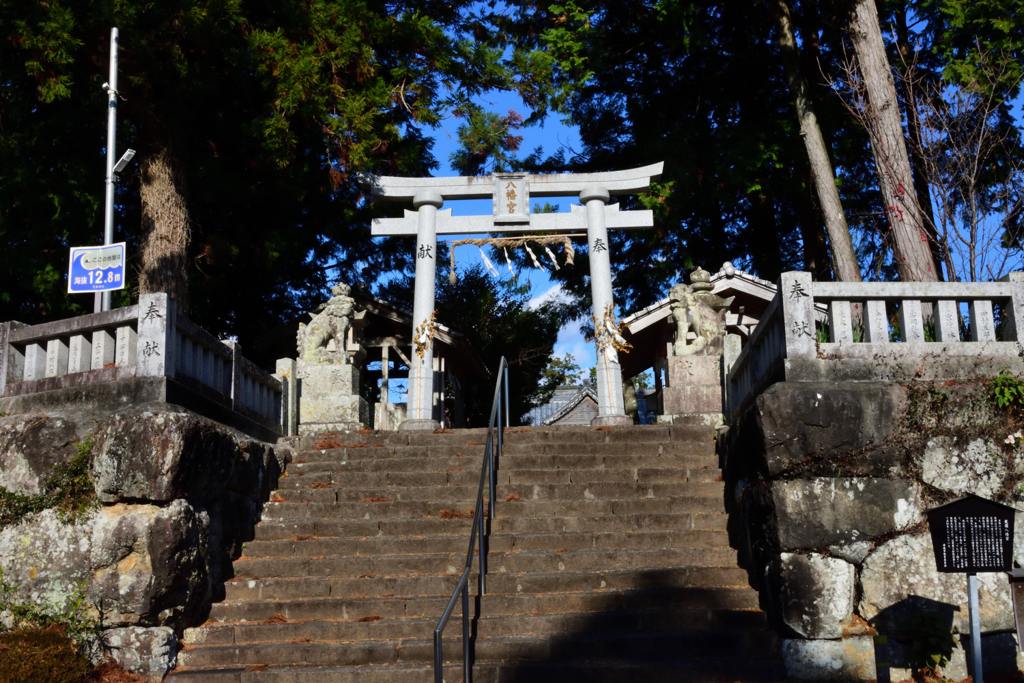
column 165, row 227
column 816, row 253
column 882, row 119
column 910, row 105
column 844, row 261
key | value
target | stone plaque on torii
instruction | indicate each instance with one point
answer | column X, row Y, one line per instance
column 511, row 193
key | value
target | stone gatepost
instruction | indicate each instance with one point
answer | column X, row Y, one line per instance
column 327, row 369
column 694, row 379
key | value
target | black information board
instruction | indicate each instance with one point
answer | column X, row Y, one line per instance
column 971, row 535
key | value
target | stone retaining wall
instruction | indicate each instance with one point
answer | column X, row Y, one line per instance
column 831, row 483
column 178, row 495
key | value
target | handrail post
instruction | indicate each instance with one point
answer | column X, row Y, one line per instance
column 467, row 672
column 483, row 559
column 507, row 416
column 438, row 668
column 490, row 500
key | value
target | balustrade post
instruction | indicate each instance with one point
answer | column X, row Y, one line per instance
column 35, row 362
column 1014, row 313
column 56, row 358
column 876, row 322
column 80, row 354
column 797, row 302
column 12, row 361
column 156, row 347
column 730, row 352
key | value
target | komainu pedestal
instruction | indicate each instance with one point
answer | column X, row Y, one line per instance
column 694, row 388
column 329, row 400
column 328, row 377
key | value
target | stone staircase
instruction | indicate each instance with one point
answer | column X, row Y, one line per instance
column 609, row 561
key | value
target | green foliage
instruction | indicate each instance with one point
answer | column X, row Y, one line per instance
column 68, row 489
column 968, row 34
column 496, row 319
column 15, row 506
column 269, row 109
column 1007, row 390
column 642, row 381
column 560, row 371
column 928, row 640
column 40, row 655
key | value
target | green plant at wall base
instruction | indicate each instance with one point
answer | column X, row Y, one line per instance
column 928, row 640
column 70, row 486
column 68, row 489
column 1007, row 389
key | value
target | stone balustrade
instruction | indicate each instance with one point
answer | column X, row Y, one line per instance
column 151, row 339
column 879, row 331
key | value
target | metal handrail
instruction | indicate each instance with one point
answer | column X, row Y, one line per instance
column 494, row 428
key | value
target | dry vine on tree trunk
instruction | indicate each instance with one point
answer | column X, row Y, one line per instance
column 165, row 228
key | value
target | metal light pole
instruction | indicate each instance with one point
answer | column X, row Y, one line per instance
column 103, row 299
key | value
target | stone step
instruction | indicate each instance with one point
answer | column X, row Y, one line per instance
column 656, row 434
column 270, row 530
column 390, row 509
column 318, row 462
column 451, row 563
column 475, row 451
column 462, row 477
column 698, row 669
column 405, row 545
column 703, row 586
column 658, row 612
column 678, row 579
column 592, row 641
column 596, row 491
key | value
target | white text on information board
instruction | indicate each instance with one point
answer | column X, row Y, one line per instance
column 96, row 269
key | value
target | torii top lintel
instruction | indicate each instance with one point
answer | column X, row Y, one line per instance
column 625, row 182
column 511, row 193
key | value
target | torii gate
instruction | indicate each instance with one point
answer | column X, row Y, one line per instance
column 511, row 214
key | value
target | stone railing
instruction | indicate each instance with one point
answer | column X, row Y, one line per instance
column 873, row 331
column 150, row 339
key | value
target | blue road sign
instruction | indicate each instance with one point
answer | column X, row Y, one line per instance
column 96, row 269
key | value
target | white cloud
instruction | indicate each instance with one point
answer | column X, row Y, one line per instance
column 570, row 340
column 553, row 293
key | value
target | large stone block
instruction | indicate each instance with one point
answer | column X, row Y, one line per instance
column 798, row 420
column 329, row 398
column 978, row 466
column 30, row 445
column 816, row 594
column 804, row 514
column 692, row 400
column 148, row 652
column 139, row 564
column 257, row 469
column 900, row 578
column 149, row 564
column 849, row 659
column 158, row 457
column 46, row 559
column 700, row 371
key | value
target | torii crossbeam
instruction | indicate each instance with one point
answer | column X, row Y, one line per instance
column 511, row 193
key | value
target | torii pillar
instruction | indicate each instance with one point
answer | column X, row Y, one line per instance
column 511, row 193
